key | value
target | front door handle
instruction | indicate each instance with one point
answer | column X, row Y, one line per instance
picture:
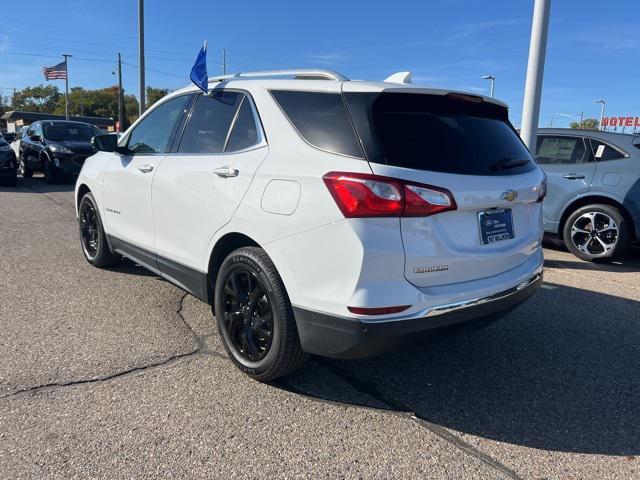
column 145, row 168
column 226, row 172
column 574, row 176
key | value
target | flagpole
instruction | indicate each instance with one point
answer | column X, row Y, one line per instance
column 66, row 84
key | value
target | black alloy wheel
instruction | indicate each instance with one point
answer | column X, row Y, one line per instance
column 248, row 315
column 89, row 229
column 254, row 316
column 92, row 236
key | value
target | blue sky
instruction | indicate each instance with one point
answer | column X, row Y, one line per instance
column 593, row 49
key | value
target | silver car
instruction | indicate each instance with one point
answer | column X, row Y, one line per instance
column 593, row 200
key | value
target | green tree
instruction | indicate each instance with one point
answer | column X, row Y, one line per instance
column 42, row 98
column 587, row 124
column 4, row 107
column 131, row 107
column 155, row 94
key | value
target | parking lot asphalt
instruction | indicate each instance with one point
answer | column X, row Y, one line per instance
column 119, row 374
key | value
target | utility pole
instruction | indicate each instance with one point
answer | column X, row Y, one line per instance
column 120, row 95
column 141, row 53
column 66, row 84
column 535, row 73
column 601, row 102
column 581, row 117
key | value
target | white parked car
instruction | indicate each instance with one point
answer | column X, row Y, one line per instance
column 321, row 215
column 15, row 145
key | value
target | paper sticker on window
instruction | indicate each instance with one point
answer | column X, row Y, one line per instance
column 600, row 151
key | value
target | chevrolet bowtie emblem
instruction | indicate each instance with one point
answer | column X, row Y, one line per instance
column 509, row 195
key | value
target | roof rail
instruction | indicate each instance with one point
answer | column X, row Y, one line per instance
column 300, row 73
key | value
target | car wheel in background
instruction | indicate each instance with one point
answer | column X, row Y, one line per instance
column 254, row 316
column 49, row 175
column 92, row 237
column 25, row 171
column 596, row 232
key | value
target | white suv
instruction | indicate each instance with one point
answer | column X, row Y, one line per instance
column 321, row 215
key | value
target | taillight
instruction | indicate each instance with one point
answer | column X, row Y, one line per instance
column 367, row 195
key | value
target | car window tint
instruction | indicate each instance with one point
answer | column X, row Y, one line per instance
column 208, row 127
column 68, row 131
column 245, row 131
column 606, row 152
column 559, row 150
column 321, row 119
column 154, row 133
column 437, row 133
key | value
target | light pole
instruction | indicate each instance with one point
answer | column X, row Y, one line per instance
column 601, row 102
column 493, row 82
column 120, row 94
column 66, row 85
column 535, row 73
column 141, row 52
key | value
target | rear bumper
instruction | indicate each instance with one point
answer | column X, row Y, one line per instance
column 342, row 337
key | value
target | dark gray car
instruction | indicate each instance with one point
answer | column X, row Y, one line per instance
column 593, row 199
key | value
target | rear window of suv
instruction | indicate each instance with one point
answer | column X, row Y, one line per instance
column 441, row 133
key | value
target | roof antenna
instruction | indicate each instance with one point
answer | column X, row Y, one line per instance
column 400, row 77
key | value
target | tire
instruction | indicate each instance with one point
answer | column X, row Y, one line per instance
column 49, row 175
column 251, row 301
column 611, row 237
column 92, row 237
column 25, row 171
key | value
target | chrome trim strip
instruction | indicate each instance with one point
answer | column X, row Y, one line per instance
column 442, row 309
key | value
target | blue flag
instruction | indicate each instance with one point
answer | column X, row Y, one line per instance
column 199, row 70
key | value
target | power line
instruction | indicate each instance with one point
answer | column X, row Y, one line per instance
column 84, row 59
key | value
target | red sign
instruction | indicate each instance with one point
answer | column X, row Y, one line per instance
column 621, row 122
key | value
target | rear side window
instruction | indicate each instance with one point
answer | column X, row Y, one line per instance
column 321, row 119
column 245, row 131
column 450, row 134
column 208, row 127
column 559, row 150
column 603, row 152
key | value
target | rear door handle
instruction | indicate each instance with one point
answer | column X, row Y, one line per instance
column 226, row 172
column 574, row 176
column 145, row 168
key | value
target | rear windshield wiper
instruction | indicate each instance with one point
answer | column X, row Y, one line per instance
column 506, row 163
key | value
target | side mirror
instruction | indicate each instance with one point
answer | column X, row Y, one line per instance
column 35, row 138
column 105, row 143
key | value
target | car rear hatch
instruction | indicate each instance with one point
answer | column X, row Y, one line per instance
column 465, row 146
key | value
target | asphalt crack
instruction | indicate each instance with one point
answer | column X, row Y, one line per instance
column 199, row 349
column 397, row 407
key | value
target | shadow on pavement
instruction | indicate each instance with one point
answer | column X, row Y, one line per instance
column 131, row 268
column 38, row 185
column 559, row 373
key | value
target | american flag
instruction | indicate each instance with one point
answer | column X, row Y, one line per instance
column 57, row 72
